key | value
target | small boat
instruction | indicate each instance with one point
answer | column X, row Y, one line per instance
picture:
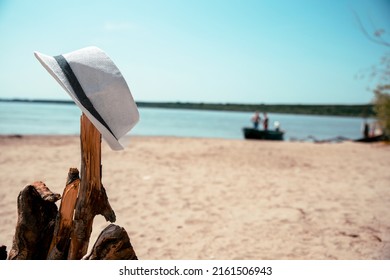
column 371, row 139
column 252, row 133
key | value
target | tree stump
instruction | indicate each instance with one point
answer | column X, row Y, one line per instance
column 37, row 212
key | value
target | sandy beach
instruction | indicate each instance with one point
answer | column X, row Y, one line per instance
column 188, row 198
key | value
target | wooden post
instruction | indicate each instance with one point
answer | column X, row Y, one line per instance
column 92, row 199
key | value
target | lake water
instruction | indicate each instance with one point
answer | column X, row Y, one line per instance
column 63, row 119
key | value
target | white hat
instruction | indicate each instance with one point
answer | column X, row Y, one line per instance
column 97, row 86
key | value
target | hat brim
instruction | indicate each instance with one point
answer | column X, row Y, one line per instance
column 51, row 65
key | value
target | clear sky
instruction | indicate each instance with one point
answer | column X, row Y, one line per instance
column 228, row 51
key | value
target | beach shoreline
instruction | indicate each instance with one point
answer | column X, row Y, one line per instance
column 203, row 198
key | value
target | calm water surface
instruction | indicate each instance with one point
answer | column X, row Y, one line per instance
column 63, row 119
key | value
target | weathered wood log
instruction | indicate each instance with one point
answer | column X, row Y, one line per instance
column 92, row 198
column 61, row 240
column 3, row 252
column 37, row 212
column 113, row 243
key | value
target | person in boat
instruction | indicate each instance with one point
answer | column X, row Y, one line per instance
column 277, row 125
column 366, row 129
column 376, row 129
column 265, row 122
column 256, row 119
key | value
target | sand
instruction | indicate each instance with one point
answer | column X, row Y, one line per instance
column 189, row 198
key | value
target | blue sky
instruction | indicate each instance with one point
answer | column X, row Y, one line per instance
column 228, row 51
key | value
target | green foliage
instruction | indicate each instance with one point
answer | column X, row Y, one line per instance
column 382, row 93
column 364, row 110
column 382, row 107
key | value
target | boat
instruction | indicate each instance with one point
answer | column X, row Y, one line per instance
column 253, row 133
column 371, row 139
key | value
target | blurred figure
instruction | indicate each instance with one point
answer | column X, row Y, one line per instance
column 376, row 129
column 366, row 129
column 265, row 122
column 256, row 119
column 277, row 125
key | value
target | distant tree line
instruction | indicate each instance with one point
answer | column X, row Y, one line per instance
column 360, row 110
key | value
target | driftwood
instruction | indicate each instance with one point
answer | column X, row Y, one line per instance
column 36, row 218
column 43, row 232
column 61, row 240
column 92, row 198
column 3, row 252
column 113, row 243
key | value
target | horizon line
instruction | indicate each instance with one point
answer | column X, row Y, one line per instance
column 63, row 101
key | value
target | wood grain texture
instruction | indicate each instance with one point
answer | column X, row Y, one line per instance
column 61, row 240
column 113, row 243
column 92, row 199
column 37, row 212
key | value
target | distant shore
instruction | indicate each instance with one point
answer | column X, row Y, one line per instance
column 352, row 110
